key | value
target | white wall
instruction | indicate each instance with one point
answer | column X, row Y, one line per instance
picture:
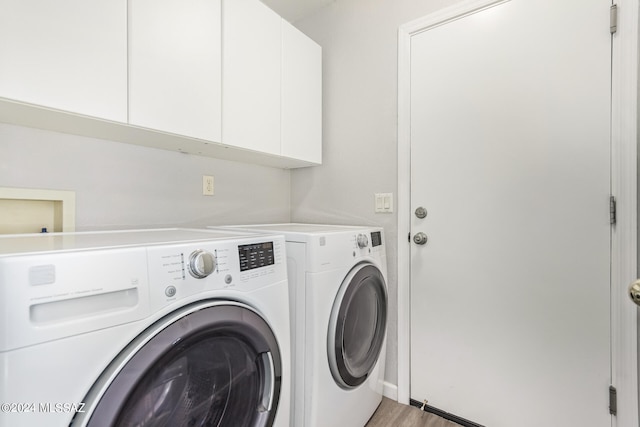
column 127, row 186
column 359, row 46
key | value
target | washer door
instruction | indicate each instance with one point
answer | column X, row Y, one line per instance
column 210, row 364
column 357, row 325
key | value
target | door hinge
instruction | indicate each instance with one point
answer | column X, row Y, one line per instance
column 409, row 237
column 613, row 19
column 613, row 400
column 612, row 210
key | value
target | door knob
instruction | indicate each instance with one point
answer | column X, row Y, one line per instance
column 634, row 291
column 420, row 238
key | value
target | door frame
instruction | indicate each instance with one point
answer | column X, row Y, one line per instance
column 624, row 238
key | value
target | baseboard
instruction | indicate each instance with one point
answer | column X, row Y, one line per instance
column 390, row 390
column 446, row 415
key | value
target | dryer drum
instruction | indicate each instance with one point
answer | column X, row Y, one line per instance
column 218, row 365
column 357, row 325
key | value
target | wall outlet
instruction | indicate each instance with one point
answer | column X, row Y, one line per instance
column 207, row 185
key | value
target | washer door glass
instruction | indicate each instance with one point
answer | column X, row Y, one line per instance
column 357, row 325
column 212, row 366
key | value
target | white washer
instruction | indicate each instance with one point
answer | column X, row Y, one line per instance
column 338, row 291
column 113, row 328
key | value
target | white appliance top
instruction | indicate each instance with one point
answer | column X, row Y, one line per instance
column 22, row 244
column 304, row 228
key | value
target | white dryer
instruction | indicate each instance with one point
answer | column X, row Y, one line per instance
column 170, row 327
column 338, row 291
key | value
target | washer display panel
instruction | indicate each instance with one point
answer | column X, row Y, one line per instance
column 216, row 366
column 357, row 325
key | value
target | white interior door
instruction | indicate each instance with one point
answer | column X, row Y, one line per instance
column 510, row 156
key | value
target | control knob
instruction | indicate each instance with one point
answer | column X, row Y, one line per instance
column 362, row 240
column 201, row 264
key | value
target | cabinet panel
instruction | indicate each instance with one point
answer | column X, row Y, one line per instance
column 251, row 76
column 175, row 66
column 301, row 96
column 66, row 54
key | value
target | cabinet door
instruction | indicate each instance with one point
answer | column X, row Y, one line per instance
column 251, row 70
column 175, row 70
column 65, row 54
column 301, row 96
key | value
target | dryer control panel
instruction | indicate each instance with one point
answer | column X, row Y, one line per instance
column 367, row 243
column 376, row 238
column 330, row 250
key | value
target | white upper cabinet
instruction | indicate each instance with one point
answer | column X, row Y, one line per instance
column 221, row 78
column 69, row 55
column 175, row 66
column 272, row 84
column 251, row 76
column 301, row 96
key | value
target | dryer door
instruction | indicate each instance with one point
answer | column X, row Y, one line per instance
column 210, row 364
column 357, row 325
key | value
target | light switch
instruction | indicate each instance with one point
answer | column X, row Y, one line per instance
column 384, row 202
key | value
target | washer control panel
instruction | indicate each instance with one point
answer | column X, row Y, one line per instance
column 244, row 264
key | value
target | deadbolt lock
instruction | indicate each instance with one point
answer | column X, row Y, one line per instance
column 421, row 212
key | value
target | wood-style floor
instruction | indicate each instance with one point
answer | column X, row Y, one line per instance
column 394, row 414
